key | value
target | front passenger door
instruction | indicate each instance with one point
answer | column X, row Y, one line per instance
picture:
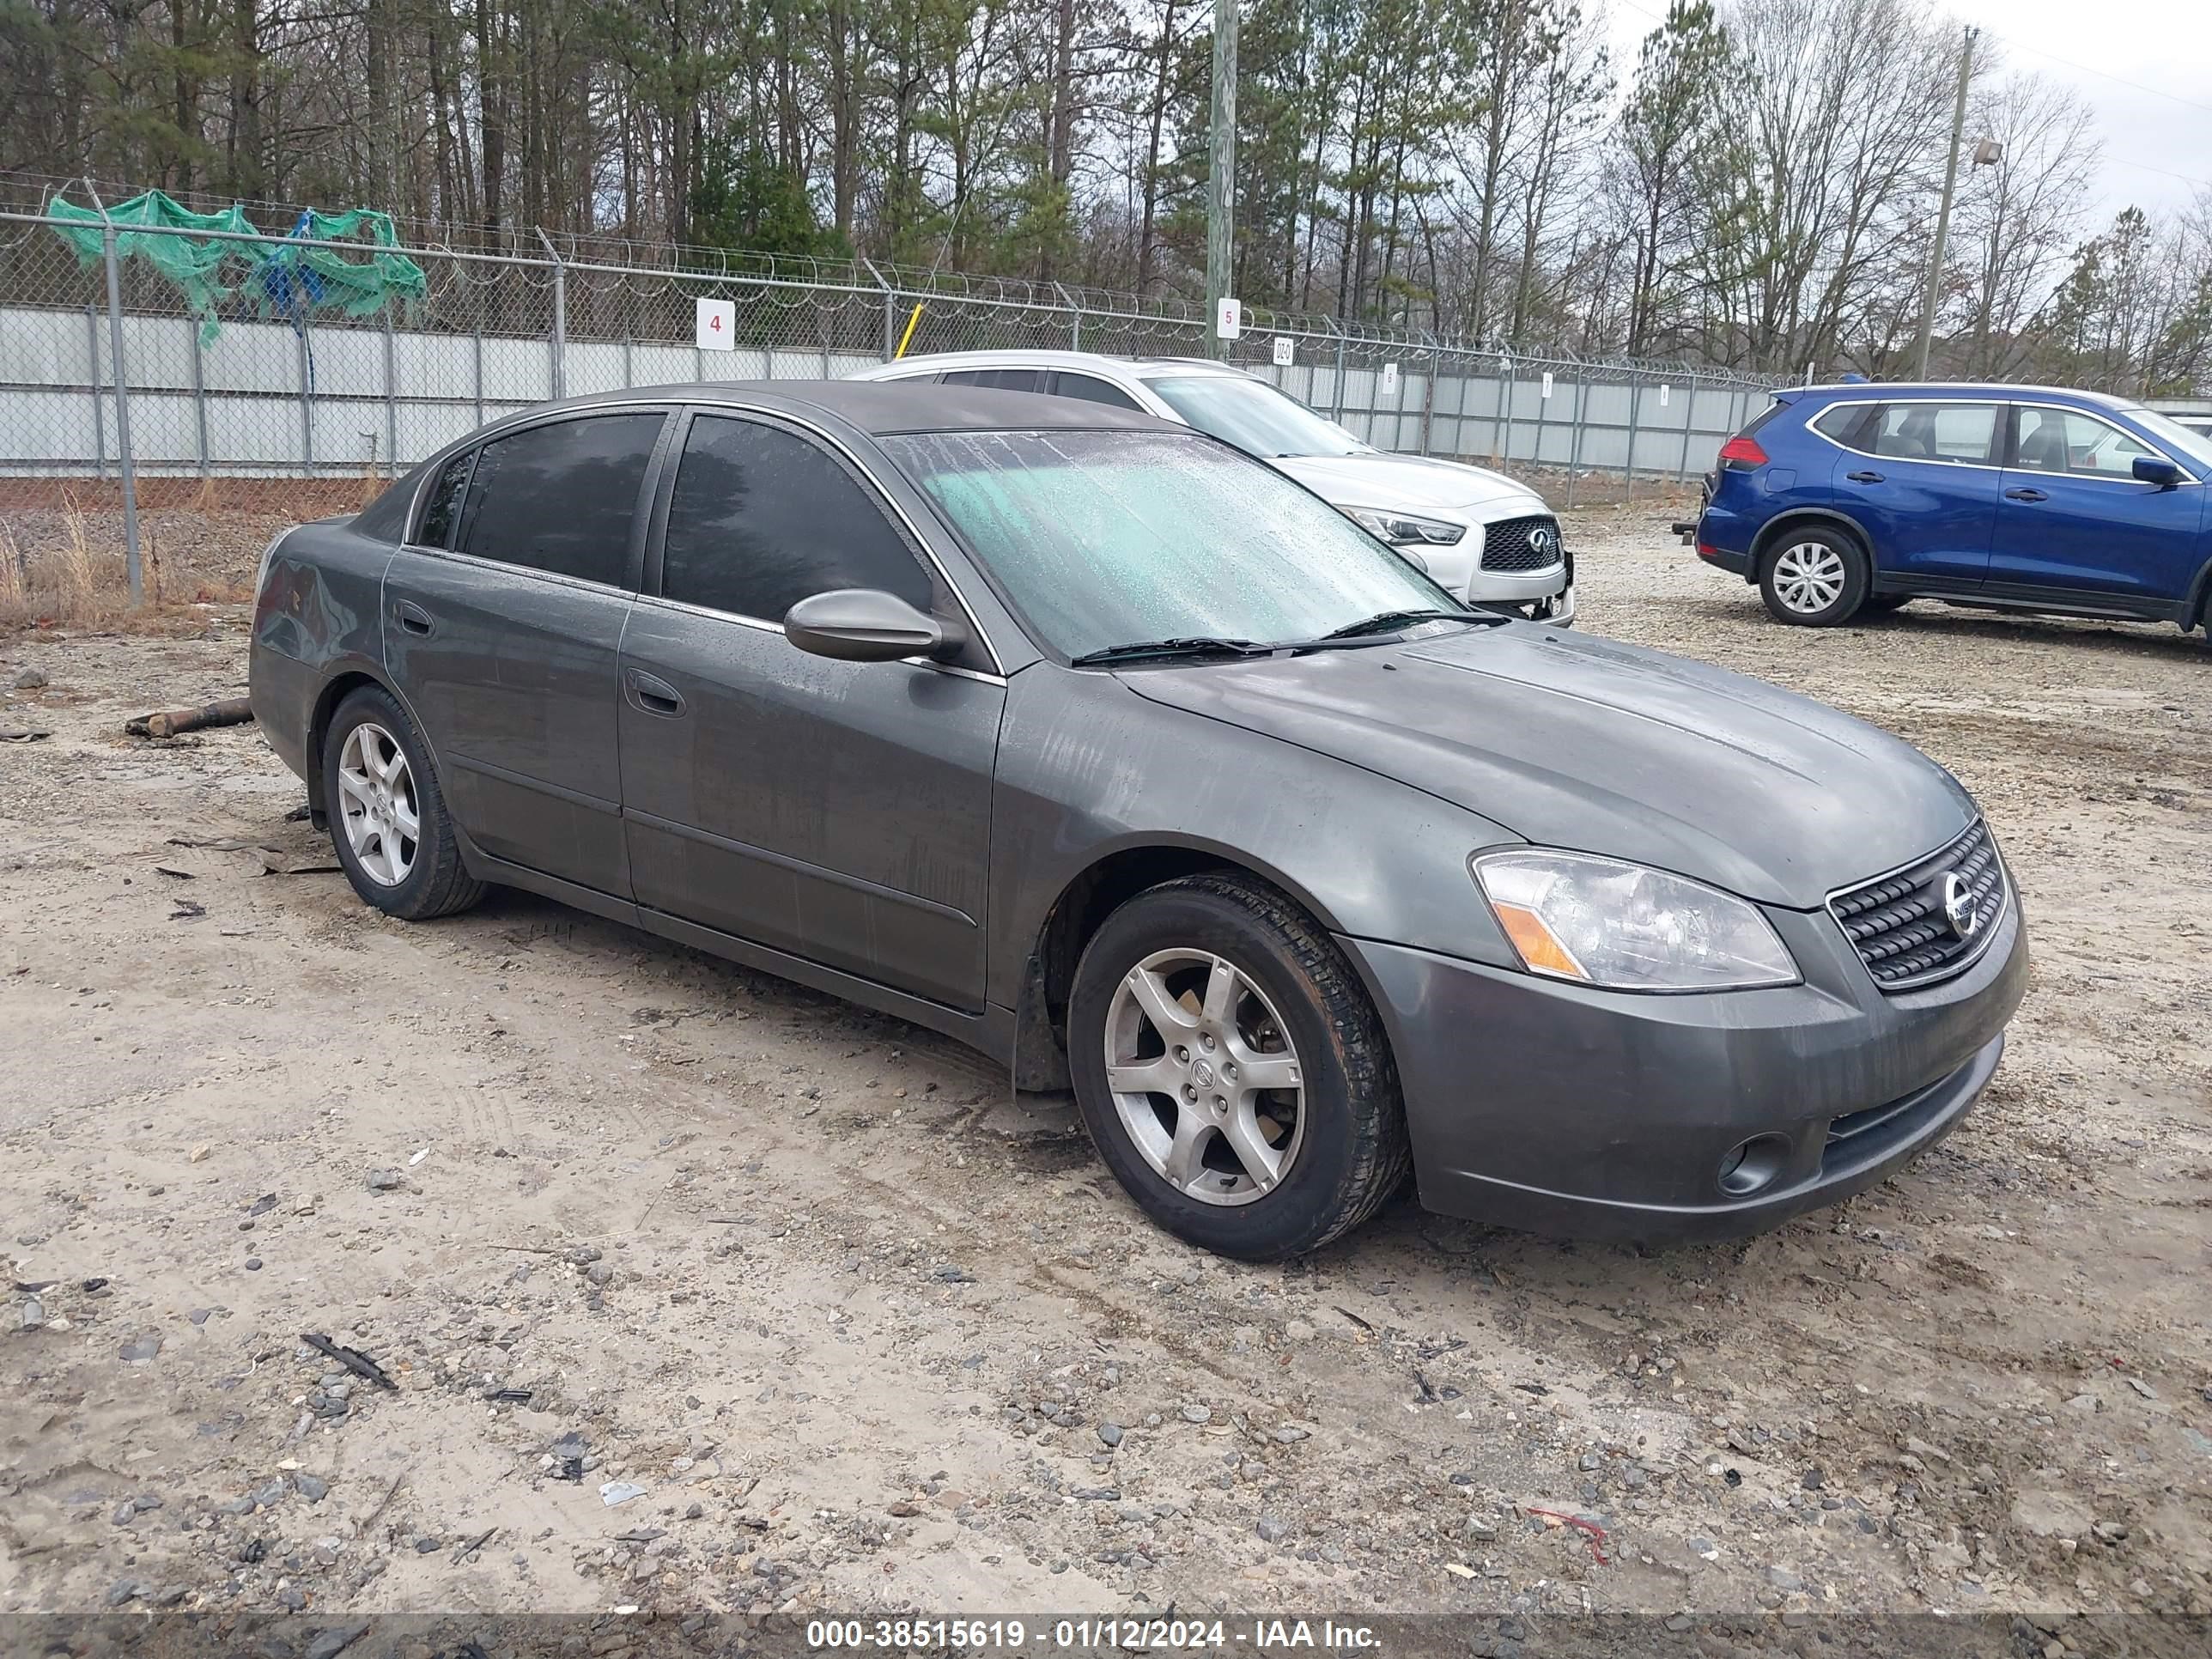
column 840, row 811
column 2076, row 518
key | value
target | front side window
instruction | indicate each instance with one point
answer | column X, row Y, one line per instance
column 561, row 498
column 2068, row 440
column 1961, row 433
column 761, row 519
column 1254, row 416
column 1105, row 538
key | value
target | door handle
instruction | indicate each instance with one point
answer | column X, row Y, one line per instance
column 652, row 694
column 414, row 619
column 2025, row 494
column 1863, row 477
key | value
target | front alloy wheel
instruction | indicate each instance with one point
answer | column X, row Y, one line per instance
column 1230, row 1069
column 1205, row 1079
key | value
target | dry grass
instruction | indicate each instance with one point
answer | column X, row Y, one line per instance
column 70, row 571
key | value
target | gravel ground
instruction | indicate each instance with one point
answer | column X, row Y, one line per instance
column 861, row 1331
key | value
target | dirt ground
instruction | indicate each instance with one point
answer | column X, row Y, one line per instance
column 868, row 1334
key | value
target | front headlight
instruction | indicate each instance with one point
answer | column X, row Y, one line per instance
column 1403, row 529
column 1573, row 916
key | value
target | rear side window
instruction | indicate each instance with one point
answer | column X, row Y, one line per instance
column 441, row 511
column 1091, row 389
column 1842, row 421
column 1957, row 433
column 999, row 379
column 761, row 519
column 561, row 498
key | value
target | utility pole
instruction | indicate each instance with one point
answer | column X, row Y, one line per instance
column 1943, row 215
column 1221, row 193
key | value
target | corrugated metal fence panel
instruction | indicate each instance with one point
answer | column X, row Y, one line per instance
column 390, row 396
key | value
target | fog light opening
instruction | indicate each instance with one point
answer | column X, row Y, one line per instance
column 1753, row 1165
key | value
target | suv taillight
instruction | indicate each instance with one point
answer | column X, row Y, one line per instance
column 1742, row 450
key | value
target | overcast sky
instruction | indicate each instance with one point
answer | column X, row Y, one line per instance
column 2163, row 47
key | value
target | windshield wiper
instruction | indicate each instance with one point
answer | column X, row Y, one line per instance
column 1389, row 621
column 1196, row 646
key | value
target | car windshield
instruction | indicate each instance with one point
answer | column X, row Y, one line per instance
column 1100, row 539
column 2193, row 446
column 1254, row 416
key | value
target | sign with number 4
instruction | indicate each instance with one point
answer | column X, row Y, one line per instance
column 717, row 324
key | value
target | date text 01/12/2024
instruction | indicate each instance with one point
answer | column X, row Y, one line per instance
column 1084, row 1634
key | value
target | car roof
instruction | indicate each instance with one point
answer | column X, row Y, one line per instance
column 1094, row 361
column 1981, row 391
column 882, row 408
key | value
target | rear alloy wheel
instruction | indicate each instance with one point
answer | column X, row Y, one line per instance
column 387, row 814
column 1232, row 1072
column 1814, row 579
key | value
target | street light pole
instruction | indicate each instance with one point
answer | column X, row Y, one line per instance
column 1221, row 193
column 1943, row 216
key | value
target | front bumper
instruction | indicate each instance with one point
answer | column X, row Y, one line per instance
column 1560, row 1109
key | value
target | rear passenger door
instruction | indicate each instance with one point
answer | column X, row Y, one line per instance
column 840, row 811
column 1922, row 477
column 503, row 619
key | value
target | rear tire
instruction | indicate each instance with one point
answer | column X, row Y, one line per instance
column 1814, row 578
column 395, row 838
column 1232, row 1072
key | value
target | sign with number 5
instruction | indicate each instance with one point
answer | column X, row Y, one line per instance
column 718, row 325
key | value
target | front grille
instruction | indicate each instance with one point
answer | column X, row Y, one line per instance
column 1521, row 545
column 1930, row 920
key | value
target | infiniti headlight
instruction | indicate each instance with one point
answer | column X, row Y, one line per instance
column 1403, row 529
column 1573, row 916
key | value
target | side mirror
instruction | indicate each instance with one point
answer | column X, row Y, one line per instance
column 864, row 624
column 2157, row 470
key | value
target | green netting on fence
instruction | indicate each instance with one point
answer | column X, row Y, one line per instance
column 279, row 276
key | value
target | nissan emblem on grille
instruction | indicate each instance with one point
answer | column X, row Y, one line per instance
column 1930, row 920
column 1958, row 907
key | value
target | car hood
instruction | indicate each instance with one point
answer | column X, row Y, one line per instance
column 1407, row 482
column 1576, row 742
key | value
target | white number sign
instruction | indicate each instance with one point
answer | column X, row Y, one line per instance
column 717, row 324
column 1389, row 380
column 1547, row 383
column 1663, row 390
column 1229, row 320
column 1284, row 347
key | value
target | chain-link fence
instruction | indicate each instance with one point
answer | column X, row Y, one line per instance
column 273, row 391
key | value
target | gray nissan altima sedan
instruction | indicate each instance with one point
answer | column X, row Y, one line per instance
column 1084, row 739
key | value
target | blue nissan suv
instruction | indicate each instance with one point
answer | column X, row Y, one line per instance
column 1842, row 498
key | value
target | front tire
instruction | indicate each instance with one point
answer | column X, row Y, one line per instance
column 1232, row 1072
column 395, row 838
column 1814, row 578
